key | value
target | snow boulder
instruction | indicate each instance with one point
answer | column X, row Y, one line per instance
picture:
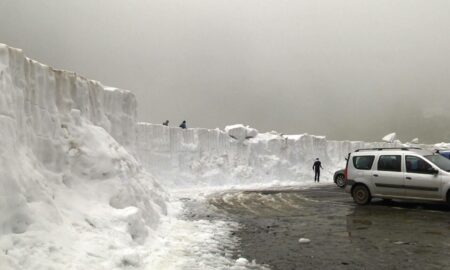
column 241, row 132
column 442, row 146
column 304, row 241
column 390, row 138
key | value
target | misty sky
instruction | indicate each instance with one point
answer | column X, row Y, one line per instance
column 347, row 69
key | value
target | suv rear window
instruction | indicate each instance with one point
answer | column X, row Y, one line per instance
column 390, row 163
column 363, row 162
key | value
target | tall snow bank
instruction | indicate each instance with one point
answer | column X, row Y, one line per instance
column 211, row 157
column 71, row 194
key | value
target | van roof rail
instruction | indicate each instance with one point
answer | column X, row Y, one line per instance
column 388, row 148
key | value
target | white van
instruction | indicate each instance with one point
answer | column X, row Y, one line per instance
column 397, row 173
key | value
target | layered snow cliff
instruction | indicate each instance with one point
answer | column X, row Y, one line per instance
column 71, row 194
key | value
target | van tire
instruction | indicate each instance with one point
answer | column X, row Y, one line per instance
column 361, row 195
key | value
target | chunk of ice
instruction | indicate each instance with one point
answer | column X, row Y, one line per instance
column 304, row 240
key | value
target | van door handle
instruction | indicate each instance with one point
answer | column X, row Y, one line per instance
column 409, row 178
column 376, row 175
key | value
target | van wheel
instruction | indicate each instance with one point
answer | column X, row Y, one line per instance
column 340, row 180
column 361, row 195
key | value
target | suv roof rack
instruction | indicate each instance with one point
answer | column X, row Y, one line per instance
column 388, row 148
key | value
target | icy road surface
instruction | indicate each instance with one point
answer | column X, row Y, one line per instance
column 269, row 224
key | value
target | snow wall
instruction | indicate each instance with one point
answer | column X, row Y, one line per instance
column 212, row 157
column 72, row 195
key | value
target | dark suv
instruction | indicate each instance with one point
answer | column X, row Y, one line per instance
column 444, row 153
column 339, row 178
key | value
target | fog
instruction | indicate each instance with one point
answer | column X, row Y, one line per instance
column 347, row 69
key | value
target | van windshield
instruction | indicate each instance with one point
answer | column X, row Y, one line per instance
column 440, row 161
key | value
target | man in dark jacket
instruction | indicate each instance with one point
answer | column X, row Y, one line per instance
column 166, row 123
column 316, row 167
column 183, row 125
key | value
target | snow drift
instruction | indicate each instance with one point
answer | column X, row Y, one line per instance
column 71, row 194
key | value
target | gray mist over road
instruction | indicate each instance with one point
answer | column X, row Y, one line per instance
column 348, row 69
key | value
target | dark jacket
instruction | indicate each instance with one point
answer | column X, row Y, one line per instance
column 317, row 165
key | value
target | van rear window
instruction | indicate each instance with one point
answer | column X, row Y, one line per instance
column 390, row 163
column 363, row 162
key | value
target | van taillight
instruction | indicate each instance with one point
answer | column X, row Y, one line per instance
column 346, row 168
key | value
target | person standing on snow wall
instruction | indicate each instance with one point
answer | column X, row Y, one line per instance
column 316, row 167
column 183, row 125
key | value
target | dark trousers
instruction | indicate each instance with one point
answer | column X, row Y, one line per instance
column 317, row 176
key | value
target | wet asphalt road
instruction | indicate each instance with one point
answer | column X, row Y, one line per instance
column 382, row 235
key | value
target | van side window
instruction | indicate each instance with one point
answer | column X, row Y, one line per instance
column 363, row 162
column 390, row 163
column 417, row 165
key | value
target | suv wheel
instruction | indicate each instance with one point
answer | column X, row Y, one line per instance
column 361, row 195
column 340, row 180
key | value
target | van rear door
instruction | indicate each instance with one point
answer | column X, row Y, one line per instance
column 359, row 167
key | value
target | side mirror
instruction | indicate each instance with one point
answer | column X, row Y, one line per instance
column 433, row 171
